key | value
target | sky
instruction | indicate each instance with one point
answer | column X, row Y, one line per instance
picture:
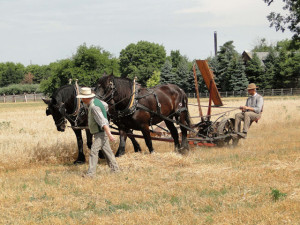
column 44, row 31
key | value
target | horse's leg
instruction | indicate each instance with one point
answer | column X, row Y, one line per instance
column 184, row 142
column 137, row 147
column 81, row 158
column 174, row 134
column 146, row 133
column 121, row 149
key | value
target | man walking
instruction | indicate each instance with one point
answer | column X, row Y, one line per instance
column 99, row 127
column 250, row 112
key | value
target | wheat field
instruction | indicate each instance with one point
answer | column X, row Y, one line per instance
column 258, row 182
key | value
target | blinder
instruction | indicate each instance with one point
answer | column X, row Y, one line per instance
column 48, row 112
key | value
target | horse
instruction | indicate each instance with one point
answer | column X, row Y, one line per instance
column 132, row 107
column 64, row 106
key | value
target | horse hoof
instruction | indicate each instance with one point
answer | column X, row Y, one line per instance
column 119, row 154
column 79, row 162
column 183, row 151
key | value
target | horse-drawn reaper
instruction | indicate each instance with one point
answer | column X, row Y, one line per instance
column 132, row 107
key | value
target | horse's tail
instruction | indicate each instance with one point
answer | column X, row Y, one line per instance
column 185, row 104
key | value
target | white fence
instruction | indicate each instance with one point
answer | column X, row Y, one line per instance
column 22, row 98
column 263, row 92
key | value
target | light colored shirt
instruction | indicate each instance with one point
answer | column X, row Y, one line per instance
column 98, row 115
column 256, row 102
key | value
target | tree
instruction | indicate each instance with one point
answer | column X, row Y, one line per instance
column 271, row 63
column 28, row 78
column 290, row 21
column 262, row 46
column 183, row 73
column 238, row 80
column 39, row 72
column 154, row 79
column 254, row 70
column 141, row 60
column 11, row 73
column 166, row 72
column 87, row 65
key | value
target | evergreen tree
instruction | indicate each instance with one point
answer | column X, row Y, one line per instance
column 254, row 70
column 167, row 75
column 270, row 70
column 238, row 80
column 183, row 74
column 229, row 68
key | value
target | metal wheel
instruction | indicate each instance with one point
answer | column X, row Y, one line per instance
column 226, row 126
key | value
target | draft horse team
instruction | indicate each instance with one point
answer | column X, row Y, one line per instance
column 130, row 107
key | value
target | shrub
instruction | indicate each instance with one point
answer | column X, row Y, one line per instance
column 20, row 89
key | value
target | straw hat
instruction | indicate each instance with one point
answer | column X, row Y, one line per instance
column 85, row 92
column 251, row 86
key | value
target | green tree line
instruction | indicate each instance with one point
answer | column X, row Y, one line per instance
column 150, row 64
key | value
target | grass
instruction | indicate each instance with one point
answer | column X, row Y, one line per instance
column 254, row 183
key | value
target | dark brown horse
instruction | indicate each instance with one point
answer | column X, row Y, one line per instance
column 134, row 108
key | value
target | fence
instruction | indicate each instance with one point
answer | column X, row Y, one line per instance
column 244, row 93
column 22, row 98
column 265, row 92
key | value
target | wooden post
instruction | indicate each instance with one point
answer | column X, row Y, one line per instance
column 34, row 96
column 25, row 97
column 14, row 98
column 272, row 92
column 197, row 93
column 291, row 91
column 4, row 100
column 281, row 91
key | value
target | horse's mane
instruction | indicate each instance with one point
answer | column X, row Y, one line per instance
column 64, row 94
column 122, row 85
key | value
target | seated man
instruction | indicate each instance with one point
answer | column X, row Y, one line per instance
column 250, row 112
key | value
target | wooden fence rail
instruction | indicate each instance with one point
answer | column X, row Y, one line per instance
column 263, row 92
column 21, row 98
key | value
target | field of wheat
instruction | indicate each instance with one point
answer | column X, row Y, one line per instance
column 258, row 182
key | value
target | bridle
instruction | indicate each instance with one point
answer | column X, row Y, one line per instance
column 110, row 89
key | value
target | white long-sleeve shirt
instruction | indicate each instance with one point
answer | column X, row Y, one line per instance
column 256, row 102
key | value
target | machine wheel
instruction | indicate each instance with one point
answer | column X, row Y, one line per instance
column 226, row 126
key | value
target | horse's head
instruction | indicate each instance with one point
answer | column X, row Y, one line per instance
column 105, row 88
column 58, row 112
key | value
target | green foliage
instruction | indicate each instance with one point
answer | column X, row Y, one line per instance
column 167, row 75
column 20, row 89
column 229, row 69
column 254, row 70
column 11, row 73
column 276, row 194
column 154, row 79
column 141, row 60
column 238, row 80
column 262, row 46
column 87, row 65
column 39, row 72
column 290, row 20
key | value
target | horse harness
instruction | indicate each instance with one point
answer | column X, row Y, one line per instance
column 134, row 105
